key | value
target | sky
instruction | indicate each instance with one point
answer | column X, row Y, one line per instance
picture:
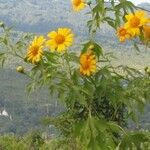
column 139, row 1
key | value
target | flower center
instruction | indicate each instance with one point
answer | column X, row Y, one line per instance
column 86, row 63
column 76, row 2
column 122, row 32
column 35, row 50
column 60, row 39
column 134, row 22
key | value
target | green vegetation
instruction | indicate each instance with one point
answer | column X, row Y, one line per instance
column 36, row 141
column 32, row 141
column 97, row 107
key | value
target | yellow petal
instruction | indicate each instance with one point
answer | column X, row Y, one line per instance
column 61, row 48
column 52, row 34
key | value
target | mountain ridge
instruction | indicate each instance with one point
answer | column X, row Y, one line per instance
column 40, row 17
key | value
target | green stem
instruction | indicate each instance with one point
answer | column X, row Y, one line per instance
column 92, row 81
column 90, row 114
column 69, row 68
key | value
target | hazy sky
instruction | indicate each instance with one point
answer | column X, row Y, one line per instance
column 139, row 1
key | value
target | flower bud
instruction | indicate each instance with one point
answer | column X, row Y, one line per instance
column 91, row 47
column 145, row 69
column 20, row 69
column 48, row 75
column 148, row 71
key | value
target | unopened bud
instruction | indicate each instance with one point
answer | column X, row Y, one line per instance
column 145, row 69
column 49, row 76
column 148, row 70
column 91, row 47
column 20, row 69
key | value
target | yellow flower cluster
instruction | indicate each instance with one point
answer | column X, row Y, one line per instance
column 57, row 41
column 135, row 25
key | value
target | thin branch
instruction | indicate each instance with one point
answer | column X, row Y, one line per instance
column 138, row 7
column 142, row 8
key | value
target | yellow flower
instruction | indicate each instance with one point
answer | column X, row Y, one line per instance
column 60, row 39
column 78, row 5
column 87, row 63
column 35, row 50
column 135, row 22
column 123, row 34
column 146, row 30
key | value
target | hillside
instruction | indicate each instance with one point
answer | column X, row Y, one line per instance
column 24, row 111
column 46, row 17
column 40, row 17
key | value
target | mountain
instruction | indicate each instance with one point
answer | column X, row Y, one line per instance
column 46, row 15
column 40, row 17
column 24, row 111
